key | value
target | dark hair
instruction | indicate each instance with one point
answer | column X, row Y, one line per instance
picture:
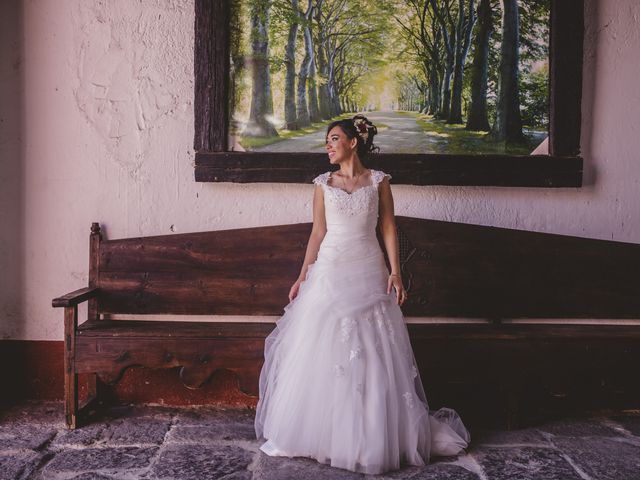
column 364, row 126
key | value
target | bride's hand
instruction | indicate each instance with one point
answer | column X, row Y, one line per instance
column 395, row 281
column 293, row 293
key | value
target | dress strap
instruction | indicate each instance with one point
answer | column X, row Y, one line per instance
column 378, row 175
column 322, row 179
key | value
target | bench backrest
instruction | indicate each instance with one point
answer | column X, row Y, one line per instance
column 450, row 270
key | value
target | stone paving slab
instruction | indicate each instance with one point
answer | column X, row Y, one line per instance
column 210, row 434
column 282, row 468
column 161, row 443
column 122, row 462
column 443, row 471
column 207, row 416
column 525, row 463
column 18, row 465
column 213, row 425
column 203, row 462
column 525, row 437
column 602, row 458
column 92, row 476
column 125, row 431
column 593, row 427
column 25, row 436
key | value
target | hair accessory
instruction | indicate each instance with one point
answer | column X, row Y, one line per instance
column 361, row 127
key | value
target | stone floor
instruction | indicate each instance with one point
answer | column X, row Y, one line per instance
column 149, row 442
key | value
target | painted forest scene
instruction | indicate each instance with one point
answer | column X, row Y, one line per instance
column 435, row 76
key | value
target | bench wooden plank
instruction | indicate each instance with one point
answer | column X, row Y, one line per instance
column 74, row 298
column 460, row 270
column 450, row 269
column 192, row 293
column 445, row 331
column 159, row 328
column 222, row 252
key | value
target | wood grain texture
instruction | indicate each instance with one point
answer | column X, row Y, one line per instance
column 412, row 169
column 70, row 374
column 198, row 357
column 459, row 270
column 94, row 247
column 211, row 75
column 450, row 270
column 242, row 272
column 75, row 297
column 201, row 349
column 198, row 348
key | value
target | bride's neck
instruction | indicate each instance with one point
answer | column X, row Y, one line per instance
column 352, row 168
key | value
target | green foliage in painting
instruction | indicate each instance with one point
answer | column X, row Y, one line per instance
column 447, row 61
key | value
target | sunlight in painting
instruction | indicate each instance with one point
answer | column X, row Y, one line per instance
column 435, row 76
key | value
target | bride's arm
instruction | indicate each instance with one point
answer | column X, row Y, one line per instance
column 318, row 231
column 387, row 224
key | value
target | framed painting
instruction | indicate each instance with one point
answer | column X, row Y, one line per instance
column 463, row 92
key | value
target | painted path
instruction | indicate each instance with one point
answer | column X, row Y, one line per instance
column 401, row 135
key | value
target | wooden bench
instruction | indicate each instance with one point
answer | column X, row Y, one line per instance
column 475, row 283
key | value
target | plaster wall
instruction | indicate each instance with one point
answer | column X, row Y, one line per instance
column 96, row 120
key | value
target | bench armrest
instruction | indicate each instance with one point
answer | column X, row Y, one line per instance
column 74, row 298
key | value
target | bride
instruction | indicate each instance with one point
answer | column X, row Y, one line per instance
column 339, row 383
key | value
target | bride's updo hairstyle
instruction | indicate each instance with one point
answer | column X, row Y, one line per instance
column 359, row 127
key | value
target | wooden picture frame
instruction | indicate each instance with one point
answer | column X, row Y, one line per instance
column 561, row 168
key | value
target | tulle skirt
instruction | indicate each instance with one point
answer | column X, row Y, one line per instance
column 340, row 384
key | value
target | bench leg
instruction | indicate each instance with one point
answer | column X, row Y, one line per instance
column 95, row 396
column 71, row 400
column 70, row 376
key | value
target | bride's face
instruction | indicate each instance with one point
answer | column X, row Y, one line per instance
column 338, row 145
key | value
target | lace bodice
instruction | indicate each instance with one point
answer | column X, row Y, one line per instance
column 351, row 220
column 340, row 203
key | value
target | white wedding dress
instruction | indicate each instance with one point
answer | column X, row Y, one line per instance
column 339, row 382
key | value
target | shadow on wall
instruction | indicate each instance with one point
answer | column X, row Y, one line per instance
column 589, row 69
column 12, row 153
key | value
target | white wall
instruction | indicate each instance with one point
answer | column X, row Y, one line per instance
column 96, row 125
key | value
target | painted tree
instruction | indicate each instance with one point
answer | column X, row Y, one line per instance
column 464, row 27
column 302, row 109
column 310, row 56
column 508, row 123
column 326, row 16
column 444, row 13
column 533, row 82
column 319, row 27
column 312, row 88
column 347, row 74
column 261, row 99
column 348, row 37
column 435, row 67
column 477, row 118
column 423, row 39
column 290, row 116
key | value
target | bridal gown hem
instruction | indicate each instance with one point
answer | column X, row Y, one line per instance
column 339, row 382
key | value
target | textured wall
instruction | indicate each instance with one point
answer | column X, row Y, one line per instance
column 96, row 119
